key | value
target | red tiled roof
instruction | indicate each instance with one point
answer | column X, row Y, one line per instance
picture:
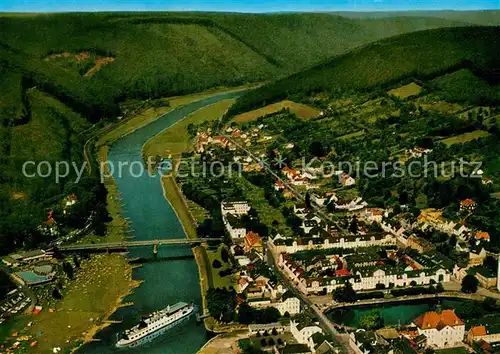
column 342, row 272
column 252, row 238
column 467, row 202
column 239, row 300
column 478, row 331
column 438, row 320
column 481, row 235
column 288, row 170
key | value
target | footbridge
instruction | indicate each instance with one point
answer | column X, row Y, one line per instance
column 124, row 245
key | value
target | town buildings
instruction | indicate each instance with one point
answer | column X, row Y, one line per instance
column 441, row 328
column 325, row 273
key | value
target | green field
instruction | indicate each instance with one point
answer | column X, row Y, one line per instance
column 466, row 137
column 301, row 110
column 412, row 89
column 352, row 135
column 176, row 199
column 175, row 139
column 94, row 294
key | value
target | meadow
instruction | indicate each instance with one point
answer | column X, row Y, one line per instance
column 301, row 110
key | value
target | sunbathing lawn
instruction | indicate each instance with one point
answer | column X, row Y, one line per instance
column 412, row 89
column 301, row 110
column 466, row 137
column 175, row 139
column 93, row 295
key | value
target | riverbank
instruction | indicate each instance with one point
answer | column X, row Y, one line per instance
column 175, row 140
column 226, row 343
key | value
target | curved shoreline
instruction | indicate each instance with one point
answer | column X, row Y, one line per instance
column 403, row 300
column 104, row 147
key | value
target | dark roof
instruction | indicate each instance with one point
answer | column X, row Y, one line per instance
column 295, row 348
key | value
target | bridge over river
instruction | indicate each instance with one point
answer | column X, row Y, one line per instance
column 122, row 246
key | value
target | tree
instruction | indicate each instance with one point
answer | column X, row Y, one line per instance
column 68, row 269
column 269, row 315
column 439, row 288
column 216, row 264
column 308, row 200
column 470, row 284
column 263, row 342
column 491, row 263
column 345, row 293
column 353, row 227
column 224, row 255
column 56, row 294
column 270, row 342
column 220, row 303
column 245, row 314
column 316, row 149
column 371, row 321
column 380, row 286
column 76, row 261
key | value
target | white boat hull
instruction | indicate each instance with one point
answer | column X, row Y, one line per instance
column 123, row 343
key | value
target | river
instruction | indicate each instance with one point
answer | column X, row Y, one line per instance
column 152, row 217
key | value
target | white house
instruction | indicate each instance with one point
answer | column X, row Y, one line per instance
column 355, row 204
column 303, row 331
column 236, row 208
column 442, row 329
column 282, row 245
column 234, row 226
column 290, row 305
column 346, row 180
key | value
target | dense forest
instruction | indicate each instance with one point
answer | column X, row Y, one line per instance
column 62, row 73
column 422, row 55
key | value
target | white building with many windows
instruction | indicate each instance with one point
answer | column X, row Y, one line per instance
column 290, row 305
column 442, row 329
column 237, row 208
column 284, row 245
column 361, row 278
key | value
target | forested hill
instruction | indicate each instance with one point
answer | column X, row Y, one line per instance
column 480, row 17
column 419, row 55
column 146, row 55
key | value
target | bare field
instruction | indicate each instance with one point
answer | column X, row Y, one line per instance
column 412, row 89
column 466, row 137
column 301, row 110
